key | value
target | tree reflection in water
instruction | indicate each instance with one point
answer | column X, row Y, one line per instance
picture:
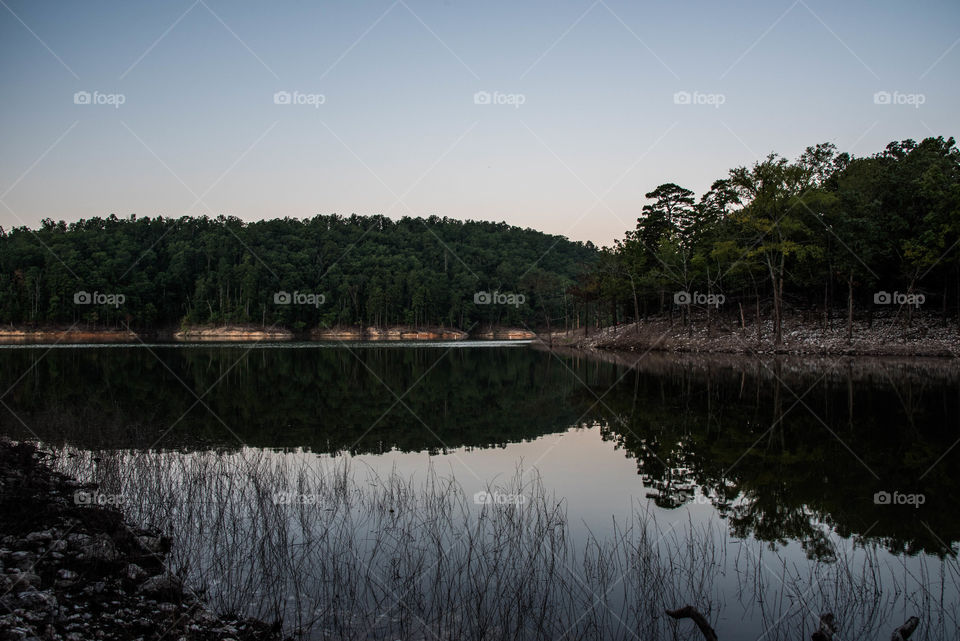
column 784, row 449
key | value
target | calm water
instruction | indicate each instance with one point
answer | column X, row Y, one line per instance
column 789, row 488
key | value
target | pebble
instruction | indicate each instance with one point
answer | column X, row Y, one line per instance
column 135, row 572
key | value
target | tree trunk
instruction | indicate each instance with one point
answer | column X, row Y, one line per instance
column 826, row 304
column 759, row 335
column 850, row 307
column 709, row 291
column 776, row 282
column 943, row 308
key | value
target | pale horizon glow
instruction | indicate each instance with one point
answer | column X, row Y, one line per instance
column 402, row 130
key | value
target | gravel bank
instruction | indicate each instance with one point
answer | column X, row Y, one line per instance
column 73, row 571
column 883, row 336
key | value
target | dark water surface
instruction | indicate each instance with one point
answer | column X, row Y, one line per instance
column 773, row 490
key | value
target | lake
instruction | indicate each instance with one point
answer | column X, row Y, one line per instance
column 492, row 490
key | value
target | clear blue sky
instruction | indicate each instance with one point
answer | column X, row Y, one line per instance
column 399, row 131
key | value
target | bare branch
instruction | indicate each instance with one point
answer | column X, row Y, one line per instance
column 690, row 612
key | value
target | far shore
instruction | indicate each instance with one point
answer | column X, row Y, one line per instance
column 928, row 336
column 246, row 333
column 923, row 336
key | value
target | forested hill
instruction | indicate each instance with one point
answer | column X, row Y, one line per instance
column 827, row 233
column 324, row 271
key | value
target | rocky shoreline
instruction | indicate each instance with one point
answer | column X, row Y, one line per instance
column 882, row 336
column 72, row 570
column 244, row 333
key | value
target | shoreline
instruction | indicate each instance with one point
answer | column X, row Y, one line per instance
column 66, row 555
column 883, row 337
column 923, row 337
column 247, row 333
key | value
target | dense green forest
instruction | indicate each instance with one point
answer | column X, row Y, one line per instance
column 324, row 271
column 826, row 232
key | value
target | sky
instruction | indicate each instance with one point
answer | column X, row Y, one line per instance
column 557, row 115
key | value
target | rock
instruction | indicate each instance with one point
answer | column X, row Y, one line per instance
column 36, row 600
column 165, row 586
column 151, row 544
column 100, row 548
column 39, row 537
column 95, row 588
column 13, row 632
column 205, row 617
column 22, row 560
column 135, row 572
column 23, row 581
column 66, row 575
column 78, row 540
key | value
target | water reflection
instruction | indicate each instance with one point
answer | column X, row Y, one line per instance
column 785, row 450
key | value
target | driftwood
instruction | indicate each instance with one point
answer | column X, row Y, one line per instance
column 690, row 612
column 904, row 631
column 828, row 628
column 826, row 631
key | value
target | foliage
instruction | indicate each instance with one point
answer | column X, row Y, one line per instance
column 369, row 270
column 823, row 228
